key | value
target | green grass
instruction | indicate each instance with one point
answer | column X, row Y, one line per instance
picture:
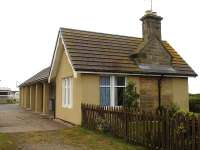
column 8, row 101
column 78, row 138
column 195, row 98
column 6, row 142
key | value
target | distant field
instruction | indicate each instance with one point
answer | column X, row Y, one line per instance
column 194, row 103
column 195, row 97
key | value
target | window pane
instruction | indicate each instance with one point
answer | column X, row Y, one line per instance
column 105, row 96
column 68, row 96
column 119, row 96
column 66, row 93
column 63, row 92
column 120, row 81
column 105, row 81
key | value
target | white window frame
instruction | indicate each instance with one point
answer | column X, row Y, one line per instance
column 116, row 86
column 67, row 101
column 112, row 87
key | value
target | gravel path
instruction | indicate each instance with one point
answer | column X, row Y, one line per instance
column 14, row 119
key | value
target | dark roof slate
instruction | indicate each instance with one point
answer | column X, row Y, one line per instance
column 99, row 52
column 39, row 77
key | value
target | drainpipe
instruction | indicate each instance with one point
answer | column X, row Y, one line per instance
column 159, row 91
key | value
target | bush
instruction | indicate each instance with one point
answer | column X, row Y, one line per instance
column 131, row 96
column 102, row 124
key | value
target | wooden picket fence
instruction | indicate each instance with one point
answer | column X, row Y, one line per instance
column 154, row 130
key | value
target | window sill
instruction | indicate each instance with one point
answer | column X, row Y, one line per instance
column 69, row 107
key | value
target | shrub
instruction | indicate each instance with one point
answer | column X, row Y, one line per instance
column 131, row 96
column 102, row 124
column 173, row 109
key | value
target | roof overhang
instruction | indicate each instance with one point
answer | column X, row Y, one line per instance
column 60, row 46
column 137, row 74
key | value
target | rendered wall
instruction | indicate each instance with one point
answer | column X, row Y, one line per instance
column 180, row 93
column 38, row 98
column 73, row 114
column 90, row 88
column 86, row 90
column 173, row 91
column 32, row 97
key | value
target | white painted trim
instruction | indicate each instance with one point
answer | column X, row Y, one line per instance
column 112, row 91
column 55, row 55
column 67, row 54
column 129, row 74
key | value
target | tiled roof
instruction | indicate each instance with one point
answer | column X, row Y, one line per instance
column 99, row 52
column 40, row 76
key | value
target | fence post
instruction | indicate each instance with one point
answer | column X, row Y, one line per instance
column 82, row 114
column 198, row 132
column 167, row 130
column 126, row 123
column 193, row 133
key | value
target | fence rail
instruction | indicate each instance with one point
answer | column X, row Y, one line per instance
column 153, row 129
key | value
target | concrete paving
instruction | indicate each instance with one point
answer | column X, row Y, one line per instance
column 15, row 119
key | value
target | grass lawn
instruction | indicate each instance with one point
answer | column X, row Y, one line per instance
column 71, row 138
column 6, row 143
column 8, row 101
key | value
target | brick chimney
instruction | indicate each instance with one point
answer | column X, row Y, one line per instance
column 151, row 26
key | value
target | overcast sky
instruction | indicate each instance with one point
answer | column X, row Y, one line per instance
column 29, row 28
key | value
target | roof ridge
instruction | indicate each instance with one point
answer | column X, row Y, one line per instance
column 96, row 32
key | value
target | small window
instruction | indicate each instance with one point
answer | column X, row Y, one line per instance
column 67, row 92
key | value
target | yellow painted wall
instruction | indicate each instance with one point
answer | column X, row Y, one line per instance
column 21, row 96
column 45, row 98
column 24, row 97
column 73, row 114
column 38, row 98
column 149, row 93
column 32, row 96
column 27, row 97
column 86, row 90
column 90, row 88
column 180, row 93
column 166, row 92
